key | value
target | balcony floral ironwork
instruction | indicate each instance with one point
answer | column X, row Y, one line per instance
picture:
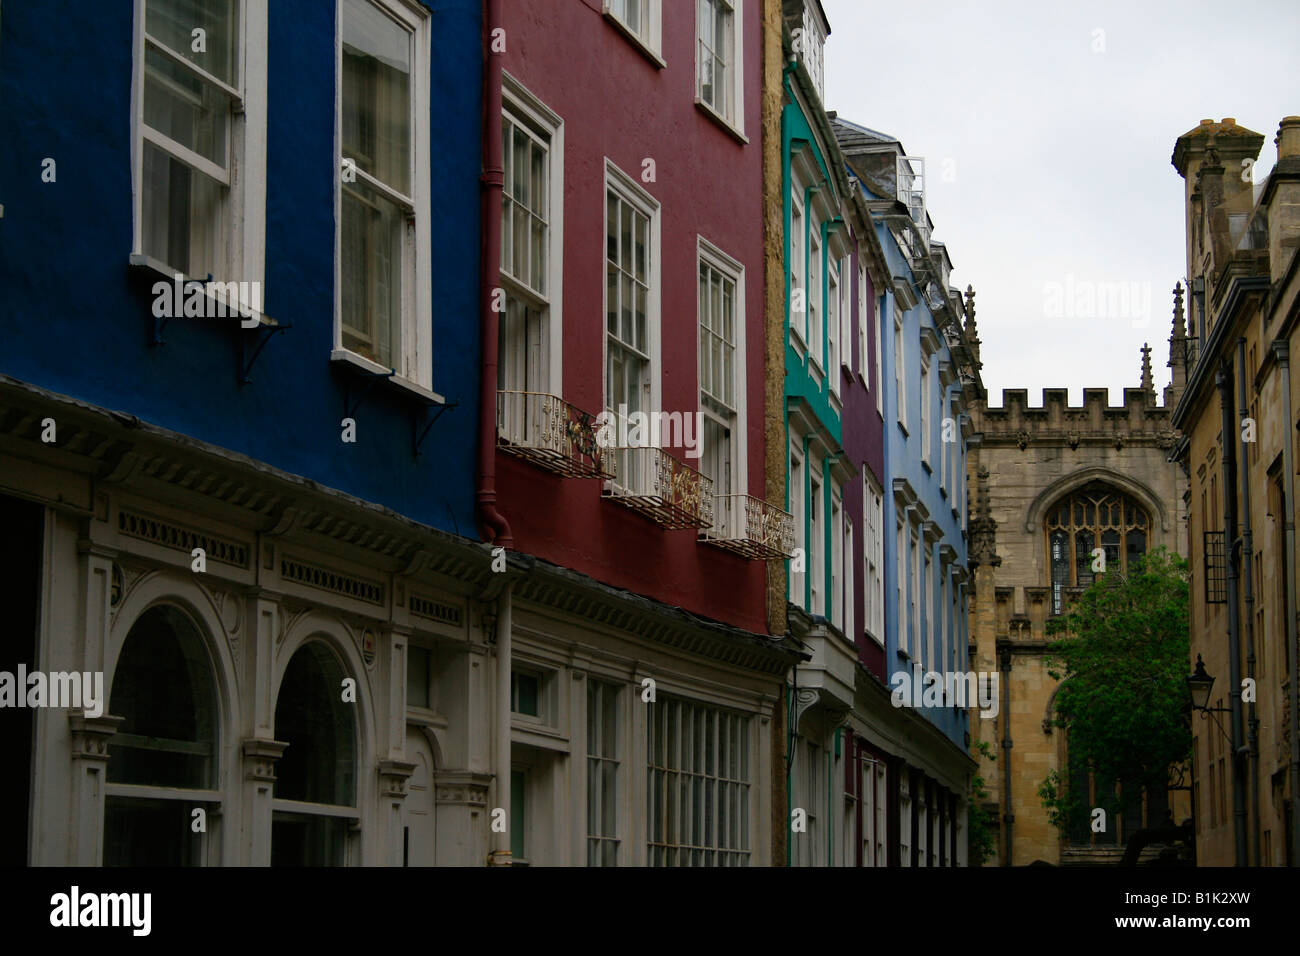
column 553, row 434
column 750, row 527
column 660, row 487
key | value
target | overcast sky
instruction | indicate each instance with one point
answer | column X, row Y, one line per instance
column 1047, row 130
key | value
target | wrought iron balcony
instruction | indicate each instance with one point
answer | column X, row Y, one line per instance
column 550, row 432
column 663, row 489
column 751, row 527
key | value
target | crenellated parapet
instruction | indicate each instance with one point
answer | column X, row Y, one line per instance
column 1096, row 422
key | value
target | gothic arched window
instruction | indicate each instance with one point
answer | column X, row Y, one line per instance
column 1094, row 516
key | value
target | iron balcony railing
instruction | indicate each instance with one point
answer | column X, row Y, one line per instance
column 660, row 487
column 751, row 527
column 550, row 432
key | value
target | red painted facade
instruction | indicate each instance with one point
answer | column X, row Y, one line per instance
column 616, row 102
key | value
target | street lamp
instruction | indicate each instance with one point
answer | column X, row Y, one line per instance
column 1198, row 685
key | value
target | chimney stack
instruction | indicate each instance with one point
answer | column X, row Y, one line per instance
column 1281, row 199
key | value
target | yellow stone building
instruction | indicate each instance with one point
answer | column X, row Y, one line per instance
column 1048, row 484
column 1238, row 416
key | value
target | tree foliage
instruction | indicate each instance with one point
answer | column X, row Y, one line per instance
column 981, row 821
column 1122, row 656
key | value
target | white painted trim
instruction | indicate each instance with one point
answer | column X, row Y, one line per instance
column 710, row 254
column 414, row 364
column 515, row 97
column 631, row 191
column 652, row 44
column 735, row 124
column 244, row 242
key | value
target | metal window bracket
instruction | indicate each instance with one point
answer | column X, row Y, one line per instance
column 428, row 415
column 354, row 394
column 263, row 334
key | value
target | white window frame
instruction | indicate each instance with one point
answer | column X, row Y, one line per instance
column 880, row 384
column 817, row 538
column 680, row 754
column 925, row 616
column 813, row 784
column 517, row 100
column 900, row 367
column 901, row 595
column 837, row 589
column 873, row 580
column 913, row 595
column 864, row 361
column 798, row 266
column 646, row 35
column 602, row 687
column 244, row 242
column 848, row 560
column 797, row 479
column 708, row 254
column 631, row 192
column 816, row 333
column 833, row 324
column 415, row 366
column 734, row 115
column 924, row 422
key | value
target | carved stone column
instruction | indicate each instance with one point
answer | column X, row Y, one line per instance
column 89, row 738
column 393, row 778
column 260, row 757
column 462, row 817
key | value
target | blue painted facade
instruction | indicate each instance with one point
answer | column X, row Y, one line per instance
column 77, row 319
column 926, row 597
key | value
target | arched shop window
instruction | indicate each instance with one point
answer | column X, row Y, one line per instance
column 314, row 809
column 163, row 759
column 1095, row 516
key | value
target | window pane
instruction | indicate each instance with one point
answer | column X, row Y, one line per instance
column 149, row 833
column 184, row 216
column 371, row 253
column 180, row 105
column 173, row 22
column 319, row 765
column 299, row 839
column 163, row 690
column 377, row 93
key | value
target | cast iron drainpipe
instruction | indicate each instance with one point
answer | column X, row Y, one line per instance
column 1223, row 380
column 1281, row 349
column 1247, row 551
column 493, row 524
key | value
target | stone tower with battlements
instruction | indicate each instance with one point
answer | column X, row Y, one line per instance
column 1045, row 482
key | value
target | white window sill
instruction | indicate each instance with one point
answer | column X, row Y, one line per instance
column 879, row 642
column 641, row 45
column 796, row 339
column 256, row 318
column 727, row 126
column 348, row 357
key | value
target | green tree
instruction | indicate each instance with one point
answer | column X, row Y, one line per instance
column 1122, row 656
column 981, row 822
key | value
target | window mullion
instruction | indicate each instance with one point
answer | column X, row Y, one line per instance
column 236, row 97
column 186, row 155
